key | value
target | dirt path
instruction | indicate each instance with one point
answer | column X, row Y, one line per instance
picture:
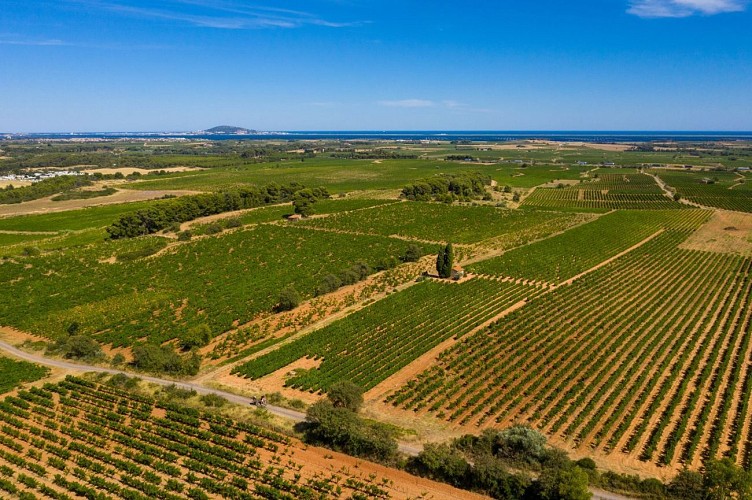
column 423, row 362
column 411, row 449
column 610, row 260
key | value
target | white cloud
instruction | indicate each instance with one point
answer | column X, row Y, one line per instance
column 409, row 103
column 684, row 8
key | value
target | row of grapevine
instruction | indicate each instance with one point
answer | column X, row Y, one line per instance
column 82, row 439
column 648, row 355
column 221, row 281
column 368, row 346
column 579, row 249
column 724, row 190
column 440, row 222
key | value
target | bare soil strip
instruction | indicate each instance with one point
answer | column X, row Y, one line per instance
column 46, row 205
column 380, row 391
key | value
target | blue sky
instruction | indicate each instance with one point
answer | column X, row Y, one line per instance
column 117, row 65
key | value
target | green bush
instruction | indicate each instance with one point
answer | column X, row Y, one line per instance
column 289, row 299
column 347, row 395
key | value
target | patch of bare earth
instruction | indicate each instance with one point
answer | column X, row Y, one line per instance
column 274, row 382
column 725, row 232
column 46, row 205
column 142, row 171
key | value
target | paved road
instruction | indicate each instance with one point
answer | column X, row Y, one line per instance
column 296, row 416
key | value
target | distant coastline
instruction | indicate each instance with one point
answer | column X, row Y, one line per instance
column 411, row 135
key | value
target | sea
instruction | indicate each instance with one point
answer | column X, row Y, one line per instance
column 411, row 135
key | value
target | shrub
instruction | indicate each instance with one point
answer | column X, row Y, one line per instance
column 232, row 223
column 185, row 236
column 213, row 400
column 520, row 443
column 31, row 252
column 289, row 299
column 443, row 463
column 329, row 284
column 413, row 253
column 343, row 430
column 213, row 229
column 151, row 357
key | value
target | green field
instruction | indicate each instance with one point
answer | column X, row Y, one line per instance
column 215, row 281
column 14, row 373
column 441, row 222
column 370, row 345
column 566, row 255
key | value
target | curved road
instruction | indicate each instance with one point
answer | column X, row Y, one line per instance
column 296, row 416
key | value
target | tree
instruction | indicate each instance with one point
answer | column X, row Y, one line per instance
column 77, row 347
column 564, row 484
column 289, row 299
column 520, row 443
column 445, row 261
column 723, row 479
column 441, row 462
column 198, row 336
column 345, row 394
column 687, row 485
column 73, row 328
column 303, row 202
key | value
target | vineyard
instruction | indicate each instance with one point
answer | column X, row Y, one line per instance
column 81, row 439
column 648, row 356
column 217, row 281
column 608, row 191
column 368, row 346
column 563, row 256
column 440, row 222
column 17, row 372
column 712, row 189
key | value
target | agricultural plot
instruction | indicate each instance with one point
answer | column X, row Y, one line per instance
column 646, row 356
column 321, row 207
column 337, row 175
column 725, row 190
column 370, row 345
column 607, row 191
column 71, row 220
column 79, row 439
column 219, row 281
column 566, row 255
column 444, row 223
column 13, row 373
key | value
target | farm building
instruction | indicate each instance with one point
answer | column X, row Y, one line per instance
column 294, row 217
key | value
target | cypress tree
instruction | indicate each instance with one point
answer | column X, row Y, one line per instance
column 445, row 261
column 440, row 258
column 448, row 260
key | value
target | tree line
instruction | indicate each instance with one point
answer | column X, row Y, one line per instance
column 448, row 187
column 163, row 214
column 43, row 188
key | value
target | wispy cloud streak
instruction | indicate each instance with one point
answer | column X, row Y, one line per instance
column 684, row 8
column 217, row 14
